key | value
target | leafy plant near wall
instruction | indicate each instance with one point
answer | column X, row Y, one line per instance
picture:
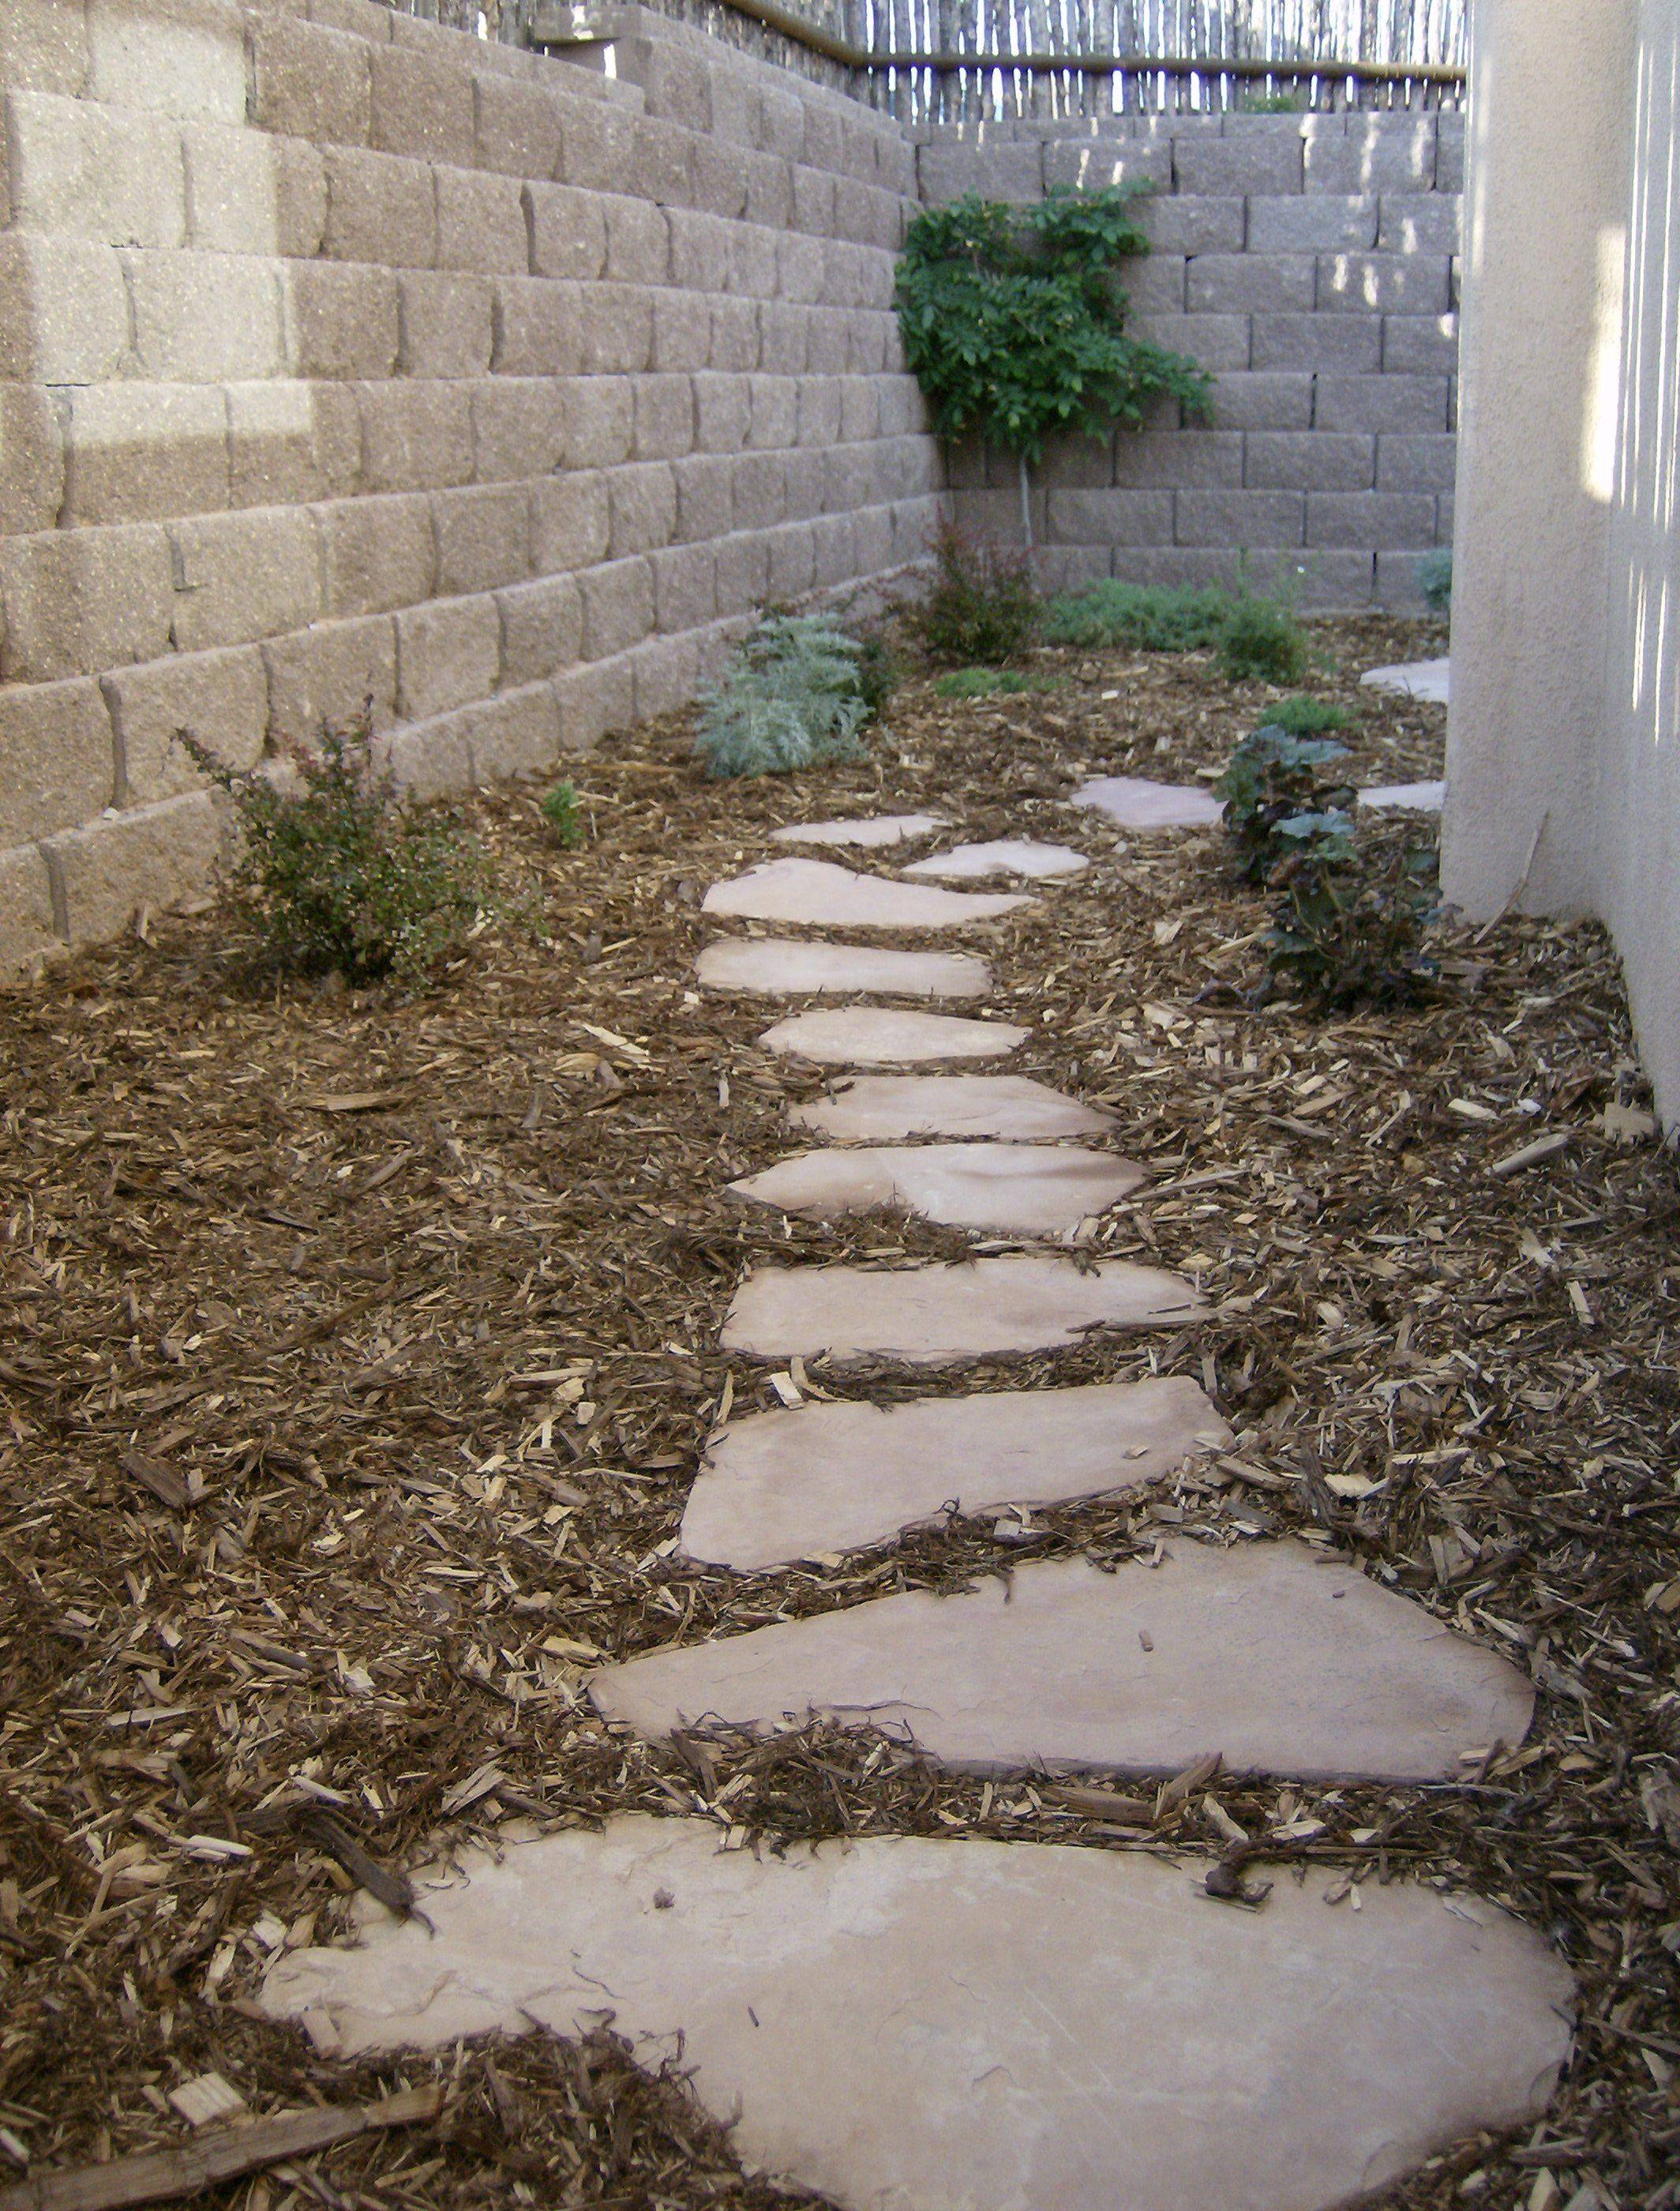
column 1349, row 925
column 799, row 692
column 981, row 605
column 1435, row 579
column 1270, row 783
column 1014, row 322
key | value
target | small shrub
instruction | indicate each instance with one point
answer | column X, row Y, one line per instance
column 982, row 606
column 337, row 873
column 1307, row 717
column 1139, row 617
column 564, row 813
column 1270, row 782
column 1435, row 579
column 1262, row 642
column 795, row 698
column 989, row 683
column 878, row 676
column 1349, row 928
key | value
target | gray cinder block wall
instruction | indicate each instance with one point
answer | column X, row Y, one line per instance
column 342, row 357
column 1310, row 262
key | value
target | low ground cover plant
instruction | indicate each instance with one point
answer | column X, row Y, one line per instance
column 981, row 606
column 799, row 692
column 1435, row 579
column 1262, row 642
column 1256, row 638
column 563, row 811
column 1307, row 717
column 337, row 873
column 990, row 683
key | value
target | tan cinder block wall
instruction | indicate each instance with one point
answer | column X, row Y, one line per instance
column 346, row 358
column 1563, row 753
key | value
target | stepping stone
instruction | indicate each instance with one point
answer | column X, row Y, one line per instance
column 891, row 1108
column 779, row 1487
column 792, row 967
column 1415, row 679
column 969, row 2025
column 1136, row 803
column 882, row 1036
column 821, row 895
column 1023, row 1189
column 925, row 1316
column 1286, row 1663
column 1007, row 857
column 1421, row 797
column 864, row 829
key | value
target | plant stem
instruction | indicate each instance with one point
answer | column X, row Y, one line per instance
column 1026, row 500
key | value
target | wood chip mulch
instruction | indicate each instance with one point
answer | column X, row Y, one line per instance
column 358, row 1351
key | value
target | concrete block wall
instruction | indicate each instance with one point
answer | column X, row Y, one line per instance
column 1311, row 263
column 343, row 358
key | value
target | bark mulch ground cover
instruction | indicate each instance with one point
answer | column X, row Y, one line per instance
column 359, row 1351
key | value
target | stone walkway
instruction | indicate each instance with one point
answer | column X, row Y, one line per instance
column 912, row 2025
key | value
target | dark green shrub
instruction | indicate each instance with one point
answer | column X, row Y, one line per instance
column 1139, row 617
column 1271, row 781
column 981, row 605
column 1262, row 642
column 878, row 676
column 1435, row 579
column 565, row 815
column 1307, row 717
column 989, row 684
column 795, row 698
column 337, row 873
column 1349, row 926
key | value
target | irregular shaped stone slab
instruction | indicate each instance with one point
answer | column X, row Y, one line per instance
column 794, row 967
column 1420, row 797
column 1415, row 679
column 927, row 1315
column 1008, row 856
column 970, row 2025
column 1284, row 1662
column 1024, row 1189
column 821, row 895
column 779, row 1487
column 882, row 1036
column 1136, row 803
column 891, row 1108
column 864, row 829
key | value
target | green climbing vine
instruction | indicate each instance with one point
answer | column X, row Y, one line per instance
column 1013, row 323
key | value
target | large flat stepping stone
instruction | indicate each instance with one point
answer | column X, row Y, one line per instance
column 779, row 1487
column 864, row 829
column 1137, row 803
column 793, row 967
column 877, row 1109
column 1419, row 797
column 1414, row 678
column 821, row 895
column 1026, row 1189
column 968, row 2026
column 1008, row 856
column 925, row 1316
column 1282, row 1661
column 885, row 1036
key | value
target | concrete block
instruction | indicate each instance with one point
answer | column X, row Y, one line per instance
column 618, row 606
column 1219, row 343
column 1383, row 283
column 664, row 417
column 416, row 435
column 247, row 193
column 176, row 56
column 28, row 932
column 1257, row 165
column 291, row 442
column 32, row 458
column 781, row 121
column 860, row 413
column 1263, row 402
column 601, row 416
column 1397, row 585
column 1420, row 345
column 1314, row 222
column 516, row 127
column 662, row 163
column 1449, row 153
column 617, row 329
column 482, row 223
column 141, row 452
column 666, row 672
column 380, row 209
column 1330, row 582
column 734, row 335
column 422, row 108
column 1183, row 568
column 538, row 327
column 79, row 601
column 1108, row 516
column 154, row 855
column 644, row 502
column 639, row 242
column 705, row 497
column 325, row 677
column 449, row 652
column 241, row 577
column 996, row 170
column 1421, row 223
column 685, row 592
column 717, row 181
column 1156, row 285
column 782, row 337
column 542, row 628
column 834, row 543
column 515, row 736
column 828, row 340
column 871, row 541
column 773, row 422
column 1071, row 567
column 484, row 537
column 1374, row 519
column 1089, row 164
column 433, row 759
column 769, row 190
column 1375, row 154
column 57, row 761
column 377, row 554
column 1241, row 518
column 310, row 83
column 761, row 490
column 813, row 194
column 1251, row 283
column 342, row 321
column 1177, row 223
column 220, row 698
column 572, row 525
column 700, row 249
column 567, row 232
column 43, row 46
column 723, row 413
column 63, row 310
column 1312, row 460
column 203, row 318
column 1348, row 344
column 368, row 20
column 1179, row 459
column 827, row 122
column 742, row 573
column 598, row 148
column 871, row 345
column 1424, row 463
column 445, row 324
column 797, row 271
column 594, row 702
column 1381, row 403
column 78, row 170
column 521, row 428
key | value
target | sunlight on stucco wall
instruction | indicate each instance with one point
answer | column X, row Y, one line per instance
column 1601, row 413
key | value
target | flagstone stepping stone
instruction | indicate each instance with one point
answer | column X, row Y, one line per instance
column 863, row 829
column 1137, row 803
column 1008, row 856
column 891, row 1108
column 972, row 2026
column 1284, row 1662
column 1415, row 679
column 1421, row 797
column 821, row 895
column 793, row 966
column 1024, row 1189
column 925, row 1316
column 779, row 1487
column 885, row 1036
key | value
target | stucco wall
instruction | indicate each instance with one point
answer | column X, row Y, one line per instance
column 1310, row 262
column 343, row 357
column 1563, row 749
